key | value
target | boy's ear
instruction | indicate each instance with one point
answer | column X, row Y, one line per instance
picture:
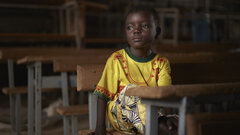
column 158, row 31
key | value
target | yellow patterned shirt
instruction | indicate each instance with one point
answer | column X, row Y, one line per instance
column 123, row 68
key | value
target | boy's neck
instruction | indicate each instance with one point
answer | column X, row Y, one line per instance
column 142, row 53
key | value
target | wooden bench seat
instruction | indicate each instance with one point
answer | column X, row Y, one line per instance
column 109, row 131
column 72, row 110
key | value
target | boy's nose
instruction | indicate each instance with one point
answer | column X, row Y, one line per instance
column 137, row 30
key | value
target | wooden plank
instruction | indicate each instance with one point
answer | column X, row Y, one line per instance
column 191, row 90
column 35, row 37
column 20, row 52
column 37, row 2
column 88, row 76
column 31, row 59
column 69, row 64
column 193, row 47
column 50, row 59
column 215, row 72
column 213, row 123
column 202, row 57
column 23, row 90
column 72, row 110
column 104, row 40
column 94, row 6
column 17, row 53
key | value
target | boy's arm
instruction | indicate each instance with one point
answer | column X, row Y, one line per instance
column 101, row 113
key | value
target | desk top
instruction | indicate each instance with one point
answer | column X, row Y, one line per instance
column 88, row 4
column 176, row 91
column 202, row 57
column 16, row 53
column 66, row 59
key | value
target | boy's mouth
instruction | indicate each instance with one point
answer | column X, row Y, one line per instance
column 137, row 39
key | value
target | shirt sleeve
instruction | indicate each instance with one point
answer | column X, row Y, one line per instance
column 108, row 84
column 164, row 77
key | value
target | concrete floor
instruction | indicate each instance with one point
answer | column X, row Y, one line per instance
column 52, row 127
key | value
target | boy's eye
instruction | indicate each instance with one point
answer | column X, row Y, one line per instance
column 145, row 26
column 129, row 27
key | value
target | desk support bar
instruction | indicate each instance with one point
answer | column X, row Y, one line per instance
column 151, row 120
column 66, row 119
column 92, row 101
column 182, row 117
column 30, row 100
column 38, row 95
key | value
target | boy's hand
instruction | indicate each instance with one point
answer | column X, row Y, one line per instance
column 172, row 123
column 168, row 125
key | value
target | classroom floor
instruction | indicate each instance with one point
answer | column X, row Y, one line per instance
column 49, row 127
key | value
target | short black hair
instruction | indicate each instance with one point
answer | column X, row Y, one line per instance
column 149, row 10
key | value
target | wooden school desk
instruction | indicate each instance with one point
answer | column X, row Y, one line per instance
column 36, row 82
column 177, row 96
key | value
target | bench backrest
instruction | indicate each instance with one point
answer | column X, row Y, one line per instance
column 88, row 76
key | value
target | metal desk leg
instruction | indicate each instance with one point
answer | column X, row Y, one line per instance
column 151, row 127
column 12, row 113
column 30, row 100
column 74, row 125
column 66, row 119
column 18, row 113
column 15, row 102
column 92, row 102
column 182, row 117
column 38, row 97
column 15, row 113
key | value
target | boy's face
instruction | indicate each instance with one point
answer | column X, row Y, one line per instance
column 140, row 29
